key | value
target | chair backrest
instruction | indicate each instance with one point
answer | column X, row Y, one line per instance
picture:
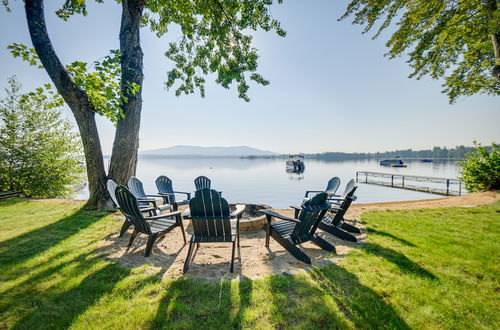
column 164, row 185
column 349, row 187
column 210, row 214
column 128, row 205
column 111, row 185
column 332, row 186
column 135, row 186
column 310, row 216
column 202, row 182
column 346, row 203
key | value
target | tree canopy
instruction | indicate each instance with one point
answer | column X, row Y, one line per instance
column 456, row 40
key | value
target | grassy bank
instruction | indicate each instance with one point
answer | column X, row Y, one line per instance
column 419, row 269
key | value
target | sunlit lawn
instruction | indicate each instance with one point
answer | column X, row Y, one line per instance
column 418, row 269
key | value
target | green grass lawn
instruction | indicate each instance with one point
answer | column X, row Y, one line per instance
column 419, row 269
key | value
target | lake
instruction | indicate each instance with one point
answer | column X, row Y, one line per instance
column 266, row 181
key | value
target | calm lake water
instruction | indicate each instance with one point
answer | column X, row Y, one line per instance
column 266, row 181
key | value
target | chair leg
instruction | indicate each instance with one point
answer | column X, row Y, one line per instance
column 350, row 228
column 125, row 226
column 188, row 257
column 181, row 224
column 337, row 232
column 238, row 231
column 323, row 244
column 232, row 257
column 132, row 237
column 293, row 249
column 268, row 229
column 149, row 244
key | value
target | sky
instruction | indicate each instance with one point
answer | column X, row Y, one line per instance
column 331, row 87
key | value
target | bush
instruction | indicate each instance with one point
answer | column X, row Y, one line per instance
column 40, row 154
column 481, row 168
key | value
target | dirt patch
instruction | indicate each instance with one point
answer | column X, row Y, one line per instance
column 253, row 259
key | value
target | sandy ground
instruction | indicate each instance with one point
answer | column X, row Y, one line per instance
column 253, row 259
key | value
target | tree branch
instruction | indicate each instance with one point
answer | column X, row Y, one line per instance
column 71, row 93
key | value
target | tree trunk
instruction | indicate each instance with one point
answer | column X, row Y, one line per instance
column 495, row 37
column 77, row 101
column 126, row 144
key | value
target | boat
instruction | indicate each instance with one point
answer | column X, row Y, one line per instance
column 393, row 163
column 295, row 163
column 426, row 160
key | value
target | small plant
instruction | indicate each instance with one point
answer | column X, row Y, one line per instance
column 481, row 168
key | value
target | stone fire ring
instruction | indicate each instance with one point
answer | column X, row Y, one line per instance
column 251, row 219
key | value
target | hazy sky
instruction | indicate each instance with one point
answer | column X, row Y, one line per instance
column 331, row 88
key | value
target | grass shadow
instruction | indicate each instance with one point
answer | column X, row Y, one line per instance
column 25, row 246
column 361, row 305
column 10, row 201
column 296, row 300
column 189, row 304
column 399, row 259
column 385, row 234
column 59, row 309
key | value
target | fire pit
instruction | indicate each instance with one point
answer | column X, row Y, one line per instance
column 252, row 219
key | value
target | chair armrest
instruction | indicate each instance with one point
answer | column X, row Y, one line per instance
column 155, row 195
column 185, row 193
column 164, row 194
column 165, row 215
column 147, row 209
column 353, row 198
column 312, row 191
column 335, row 199
column 239, row 210
column 279, row 216
column 145, row 199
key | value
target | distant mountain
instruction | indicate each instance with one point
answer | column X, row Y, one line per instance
column 194, row 151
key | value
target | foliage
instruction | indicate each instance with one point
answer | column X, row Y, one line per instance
column 447, row 39
column 212, row 41
column 99, row 80
column 421, row 269
column 481, row 168
column 40, row 152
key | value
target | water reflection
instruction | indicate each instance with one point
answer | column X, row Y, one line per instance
column 295, row 173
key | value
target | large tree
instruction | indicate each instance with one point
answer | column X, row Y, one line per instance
column 215, row 40
column 458, row 40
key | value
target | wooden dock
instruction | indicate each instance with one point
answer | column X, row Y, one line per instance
column 433, row 185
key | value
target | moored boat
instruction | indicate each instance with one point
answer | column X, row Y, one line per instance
column 295, row 163
column 393, row 163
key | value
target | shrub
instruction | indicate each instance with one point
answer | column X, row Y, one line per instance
column 481, row 168
column 40, row 154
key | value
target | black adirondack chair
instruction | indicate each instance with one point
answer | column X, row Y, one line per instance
column 331, row 188
column 111, row 185
column 211, row 219
column 156, row 227
column 289, row 232
column 164, row 185
column 137, row 188
column 334, row 223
